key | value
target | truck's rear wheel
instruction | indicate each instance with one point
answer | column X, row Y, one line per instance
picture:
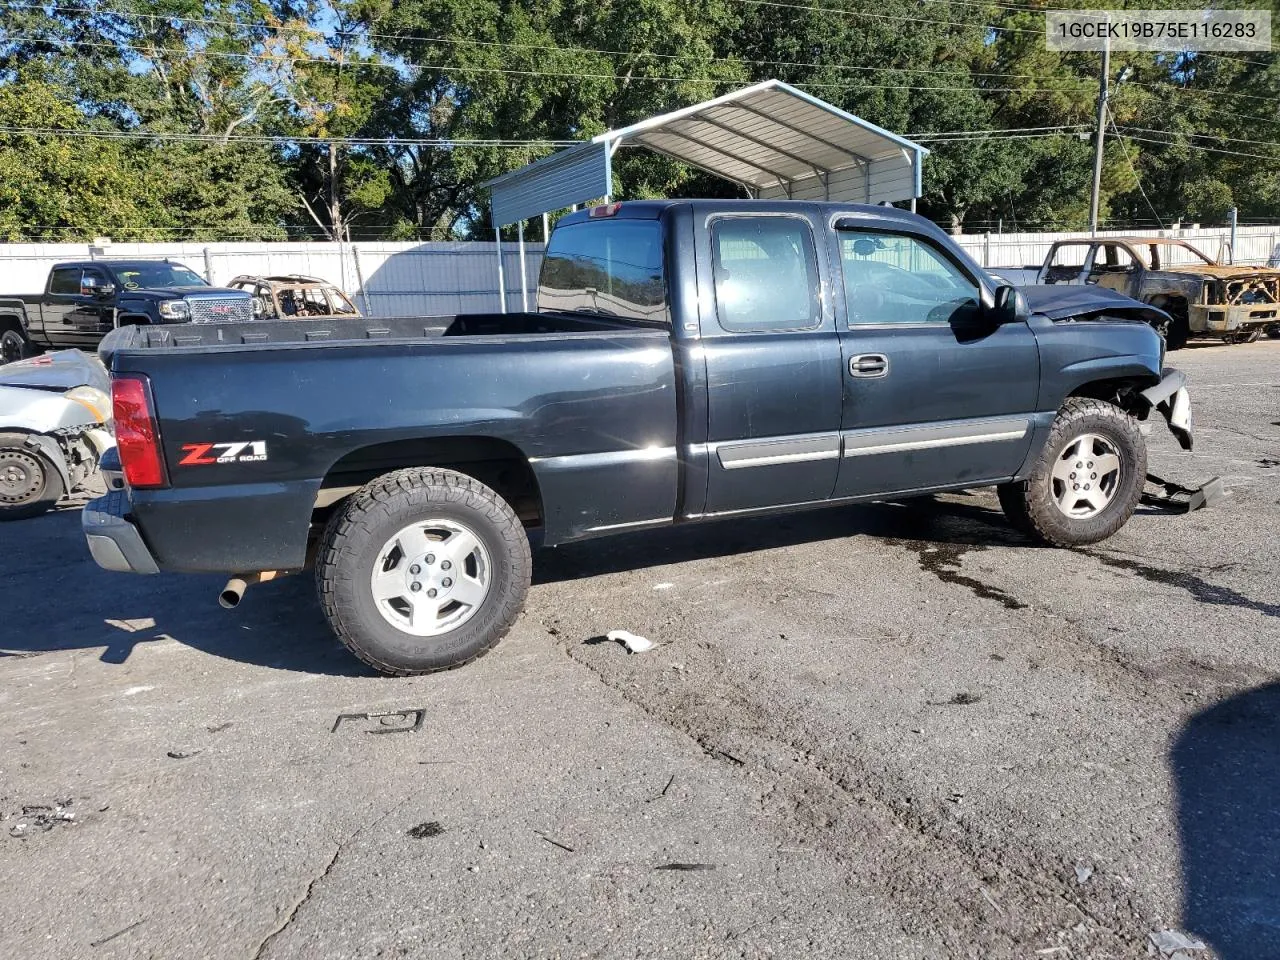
column 422, row 570
column 1087, row 480
column 29, row 484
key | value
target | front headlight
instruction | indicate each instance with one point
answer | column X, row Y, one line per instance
column 175, row 310
column 93, row 400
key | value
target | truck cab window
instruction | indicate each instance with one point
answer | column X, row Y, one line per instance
column 606, row 267
column 766, row 274
column 65, row 281
column 896, row 278
column 1111, row 258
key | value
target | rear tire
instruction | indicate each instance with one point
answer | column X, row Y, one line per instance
column 1087, row 479
column 423, row 570
column 29, row 484
column 1273, row 331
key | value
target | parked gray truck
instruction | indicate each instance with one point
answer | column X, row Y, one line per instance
column 688, row 361
column 84, row 301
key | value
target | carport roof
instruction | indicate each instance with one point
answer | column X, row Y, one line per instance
column 771, row 138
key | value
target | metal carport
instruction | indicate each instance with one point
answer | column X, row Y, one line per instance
column 773, row 140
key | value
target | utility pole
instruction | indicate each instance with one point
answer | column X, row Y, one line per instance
column 1102, row 126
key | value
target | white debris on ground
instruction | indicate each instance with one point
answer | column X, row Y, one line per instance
column 632, row 642
column 1173, row 945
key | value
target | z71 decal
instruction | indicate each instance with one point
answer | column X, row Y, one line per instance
column 203, row 454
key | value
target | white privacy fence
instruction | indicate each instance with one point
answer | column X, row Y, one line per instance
column 384, row 279
column 405, row 279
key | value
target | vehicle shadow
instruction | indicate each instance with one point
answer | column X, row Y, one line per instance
column 56, row 598
column 1226, row 767
column 960, row 520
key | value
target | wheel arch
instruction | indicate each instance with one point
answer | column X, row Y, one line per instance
column 497, row 463
column 47, row 447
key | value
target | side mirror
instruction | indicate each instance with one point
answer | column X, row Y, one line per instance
column 106, row 290
column 1011, row 305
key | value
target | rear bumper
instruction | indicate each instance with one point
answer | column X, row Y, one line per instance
column 113, row 541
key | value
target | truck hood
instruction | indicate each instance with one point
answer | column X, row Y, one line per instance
column 57, row 372
column 194, row 293
column 1060, row 301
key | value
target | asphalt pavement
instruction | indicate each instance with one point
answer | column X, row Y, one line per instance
column 896, row 730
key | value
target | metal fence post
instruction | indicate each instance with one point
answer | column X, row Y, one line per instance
column 208, row 266
column 524, row 293
column 986, row 249
column 502, row 279
column 364, row 294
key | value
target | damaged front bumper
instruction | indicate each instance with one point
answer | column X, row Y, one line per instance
column 1171, row 398
column 1220, row 319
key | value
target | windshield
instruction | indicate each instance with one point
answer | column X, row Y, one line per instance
column 1158, row 255
column 154, row 276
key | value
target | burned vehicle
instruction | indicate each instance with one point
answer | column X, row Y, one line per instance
column 55, row 427
column 285, row 297
column 1203, row 298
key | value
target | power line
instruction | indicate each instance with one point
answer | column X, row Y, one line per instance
column 887, row 16
column 458, row 41
column 268, row 139
column 285, row 28
column 1127, row 159
column 1196, row 146
column 1205, row 136
column 507, row 71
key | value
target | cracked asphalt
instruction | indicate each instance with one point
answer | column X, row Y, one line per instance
column 885, row 731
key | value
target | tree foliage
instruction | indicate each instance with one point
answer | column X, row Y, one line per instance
column 349, row 119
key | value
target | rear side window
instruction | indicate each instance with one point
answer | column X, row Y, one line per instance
column 766, row 274
column 607, row 267
column 65, row 280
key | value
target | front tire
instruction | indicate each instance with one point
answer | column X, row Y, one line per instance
column 1086, row 481
column 13, row 346
column 29, row 484
column 423, row 570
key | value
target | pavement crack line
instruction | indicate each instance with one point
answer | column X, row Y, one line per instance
column 292, row 914
column 301, row 902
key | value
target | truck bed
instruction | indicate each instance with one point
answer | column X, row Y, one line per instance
column 588, row 403
column 329, row 329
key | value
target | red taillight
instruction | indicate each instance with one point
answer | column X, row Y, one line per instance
column 137, row 439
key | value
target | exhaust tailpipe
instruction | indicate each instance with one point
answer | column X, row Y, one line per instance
column 233, row 592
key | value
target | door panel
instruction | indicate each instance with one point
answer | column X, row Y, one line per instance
column 91, row 317
column 59, row 303
column 943, row 398
column 772, row 360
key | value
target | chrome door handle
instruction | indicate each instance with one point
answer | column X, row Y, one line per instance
column 868, row 365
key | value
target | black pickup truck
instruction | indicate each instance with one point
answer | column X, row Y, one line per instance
column 83, row 302
column 689, row 360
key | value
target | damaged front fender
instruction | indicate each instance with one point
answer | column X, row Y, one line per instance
column 1171, row 398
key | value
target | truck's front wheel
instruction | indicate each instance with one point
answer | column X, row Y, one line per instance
column 1086, row 481
column 422, row 570
column 13, row 345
